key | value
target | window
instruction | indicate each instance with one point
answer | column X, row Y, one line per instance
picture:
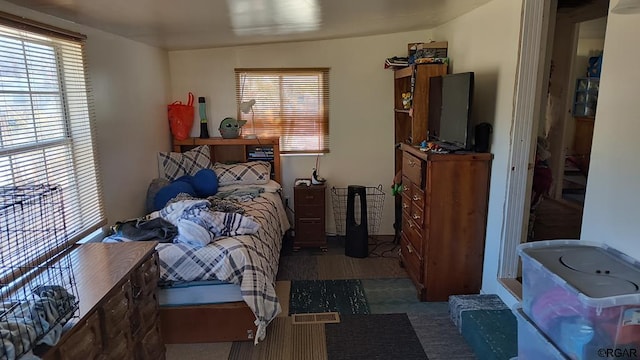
column 46, row 135
column 290, row 103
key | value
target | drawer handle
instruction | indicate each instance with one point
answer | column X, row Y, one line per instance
column 405, row 188
column 416, row 198
column 412, row 163
column 409, row 249
column 411, row 225
column 415, row 217
column 404, row 206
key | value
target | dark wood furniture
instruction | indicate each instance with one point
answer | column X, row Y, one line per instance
column 309, row 208
column 216, row 322
column 236, row 150
column 410, row 125
column 444, row 214
column 582, row 139
column 118, row 313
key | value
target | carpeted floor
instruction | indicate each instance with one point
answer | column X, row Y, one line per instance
column 381, row 317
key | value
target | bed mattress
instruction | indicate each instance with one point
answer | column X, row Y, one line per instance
column 250, row 261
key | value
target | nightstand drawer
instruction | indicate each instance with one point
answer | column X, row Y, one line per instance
column 309, row 231
column 309, row 211
column 309, row 195
column 309, row 208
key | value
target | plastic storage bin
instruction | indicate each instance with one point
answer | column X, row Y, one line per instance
column 584, row 296
column 533, row 344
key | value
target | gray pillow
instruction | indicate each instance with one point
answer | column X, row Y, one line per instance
column 154, row 187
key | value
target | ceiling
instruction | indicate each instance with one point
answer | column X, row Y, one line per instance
column 194, row 24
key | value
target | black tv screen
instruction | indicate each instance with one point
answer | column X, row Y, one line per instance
column 455, row 112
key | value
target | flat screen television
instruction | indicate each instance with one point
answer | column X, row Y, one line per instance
column 452, row 123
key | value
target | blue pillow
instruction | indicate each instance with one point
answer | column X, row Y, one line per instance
column 170, row 191
column 205, row 182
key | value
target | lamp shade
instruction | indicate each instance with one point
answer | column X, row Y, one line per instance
column 246, row 106
column 627, row 7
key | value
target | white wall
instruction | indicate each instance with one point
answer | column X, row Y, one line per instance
column 130, row 82
column 611, row 213
column 486, row 42
column 361, row 103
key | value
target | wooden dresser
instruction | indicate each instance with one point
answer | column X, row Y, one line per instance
column 309, row 208
column 118, row 314
column 444, row 215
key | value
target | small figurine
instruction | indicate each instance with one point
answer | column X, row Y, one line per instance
column 230, row 128
column 406, row 100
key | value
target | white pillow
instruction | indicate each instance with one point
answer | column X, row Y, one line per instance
column 247, row 173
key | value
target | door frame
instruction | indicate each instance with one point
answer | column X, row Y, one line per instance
column 531, row 76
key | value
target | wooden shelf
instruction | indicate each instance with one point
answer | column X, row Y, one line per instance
column 403, row 72
column 405, row 111
column 234, row 150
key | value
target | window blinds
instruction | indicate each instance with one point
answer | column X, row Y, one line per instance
column 290, row 103
column 46, row 121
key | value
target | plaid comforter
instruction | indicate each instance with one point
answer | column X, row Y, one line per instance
column 250, row 261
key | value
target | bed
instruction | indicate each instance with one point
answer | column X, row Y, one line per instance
column 225, row 290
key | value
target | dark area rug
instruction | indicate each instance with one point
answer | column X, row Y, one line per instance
column 376, row 336
column 314, row 296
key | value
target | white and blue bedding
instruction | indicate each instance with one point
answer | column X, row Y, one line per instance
column 250, row 261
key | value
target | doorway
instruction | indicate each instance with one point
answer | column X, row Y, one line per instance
column 565, row 131
column 536, row 45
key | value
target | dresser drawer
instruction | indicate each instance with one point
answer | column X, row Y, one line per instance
column 413, row 234
column 412, row 168
column 406, row 203
column 116, row 309
column 411, row 260
column 417, row 195
column 406, row 187
column 145, row 279
column 416, row 215
column 85, row 342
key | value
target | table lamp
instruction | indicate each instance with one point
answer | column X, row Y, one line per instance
column 246, row 107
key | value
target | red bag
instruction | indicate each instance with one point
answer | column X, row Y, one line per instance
column 181, row 118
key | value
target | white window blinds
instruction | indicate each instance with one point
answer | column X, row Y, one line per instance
column 290, row 103
column 46, row 125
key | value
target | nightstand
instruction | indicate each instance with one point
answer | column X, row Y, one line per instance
column 309, row 208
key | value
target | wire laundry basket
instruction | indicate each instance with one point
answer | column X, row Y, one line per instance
column 375, row 204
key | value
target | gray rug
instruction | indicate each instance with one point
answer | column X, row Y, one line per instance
column 376, row 336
